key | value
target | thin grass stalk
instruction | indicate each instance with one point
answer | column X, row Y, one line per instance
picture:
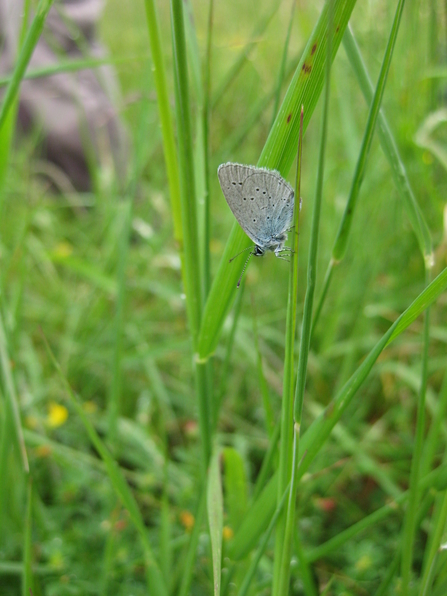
column 306, row 575
column 27, row 578
column 282, row 67
column 11, row 412
column 215, row 518
column 193, row 289
column 284, row 577
column 246, row 583
column 409, row 527
column 435, row 545
column 434, row 432
column 113, row 404
column 24, row 57
column 167, row 127
column 8, row 129
column 285, row 462
column 190, row 558
column 391, row 151
column 341, row 241
column 65, row 66
column 206, row 143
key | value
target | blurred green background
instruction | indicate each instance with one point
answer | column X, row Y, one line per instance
column 59, row 254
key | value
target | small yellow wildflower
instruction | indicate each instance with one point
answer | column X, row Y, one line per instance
column 57, row 415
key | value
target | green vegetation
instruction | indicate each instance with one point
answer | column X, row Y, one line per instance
column 165, row 433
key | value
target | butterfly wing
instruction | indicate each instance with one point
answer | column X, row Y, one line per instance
column 232, row 177
column 275, row 198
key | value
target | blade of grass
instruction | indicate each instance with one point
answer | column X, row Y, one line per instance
column 285, row 461
column 409, row 526
column 278, row 153
column 12, row 411
column 435, row 545
column 155, row 578
column 65, row 66
column 282, row 67
column 341, row 241
column 285, row 538
column 167, row 127
column 24, row 57
column 27, row 581
column 391, row 151
column 262, row 546
column 193, row 289
column 215, row 519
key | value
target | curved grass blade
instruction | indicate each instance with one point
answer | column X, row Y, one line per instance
column 26, row 51
column 278, row 153
column 215, row 519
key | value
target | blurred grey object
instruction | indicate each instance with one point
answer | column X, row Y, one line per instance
column 76, row 111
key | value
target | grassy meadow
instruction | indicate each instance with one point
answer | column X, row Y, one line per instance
column 163, row 432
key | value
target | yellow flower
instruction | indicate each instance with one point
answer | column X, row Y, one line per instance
column 227, row 533
column 57, row 415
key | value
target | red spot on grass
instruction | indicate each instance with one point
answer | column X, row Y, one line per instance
column 307, row 68
column 289, row 117
column 314, row 47
column 338, row 29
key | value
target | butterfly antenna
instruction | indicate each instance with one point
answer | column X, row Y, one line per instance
column 239, row 253
column 243, row 270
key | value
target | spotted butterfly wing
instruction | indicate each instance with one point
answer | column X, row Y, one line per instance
column 261, row 200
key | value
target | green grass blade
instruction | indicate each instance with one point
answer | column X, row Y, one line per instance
column 435, row 545
column 390, row 150
column 235, row 487
column 215, row 519
column 339, row 250
column 409, row 527
column 186, row 170
column 167, row 127
column 12, row 410
column 282, row 545
column 285, row 538
column 246, row 583
column 27, row 583
column 65, row 66
column 156, row 582
column 24, row 57
column 320, row 429
column 113, row 404
column 278, row 153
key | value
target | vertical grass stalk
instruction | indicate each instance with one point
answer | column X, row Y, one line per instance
column 24, row 57
column 285, row 461
column 284, row 577
column 409, row 528
column 341, row 241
